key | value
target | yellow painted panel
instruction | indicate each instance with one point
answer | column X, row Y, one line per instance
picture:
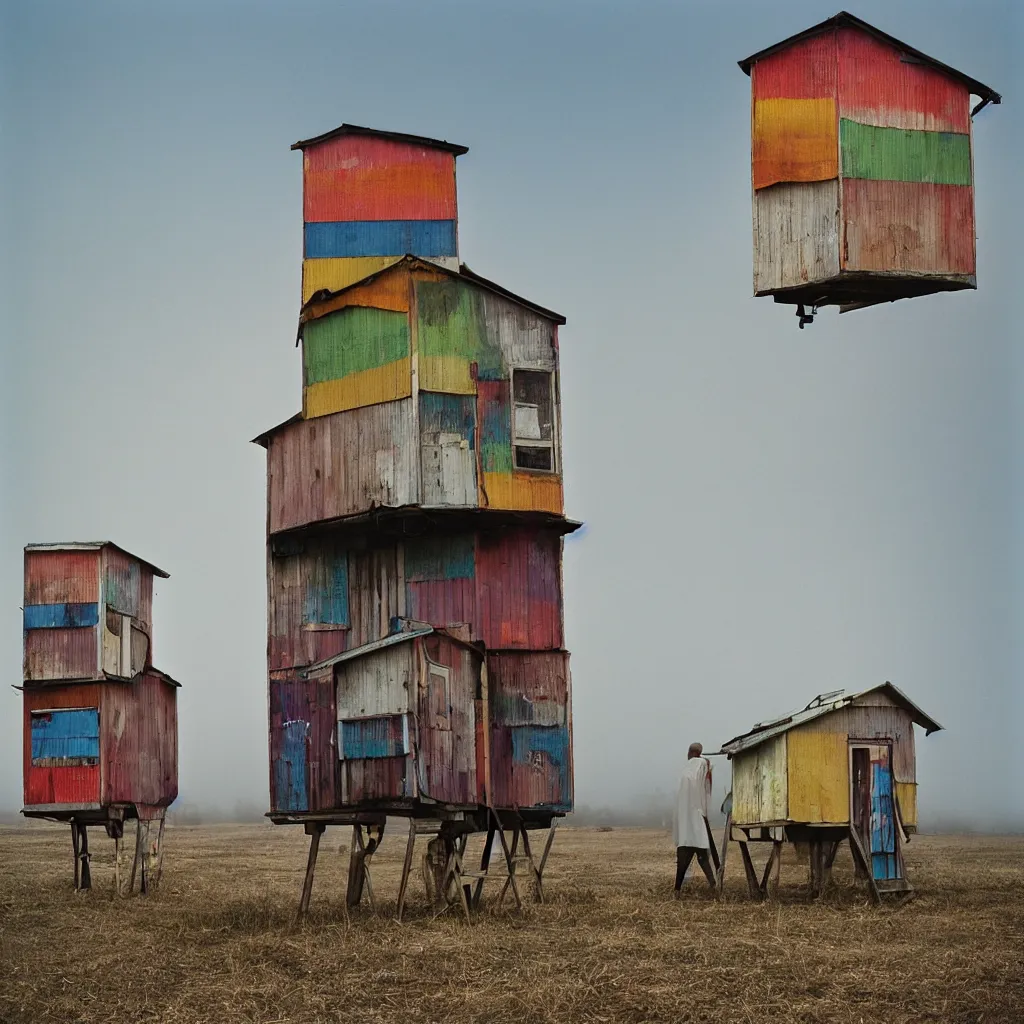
column 759, row 784
column 819, row 776
column 337, row 273
column 794, row 140
column 906, row 793
column 368, row 387
column 524, row 492
column 449, row 374
column 390, row 291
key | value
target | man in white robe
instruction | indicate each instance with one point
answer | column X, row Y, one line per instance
column 690, row 828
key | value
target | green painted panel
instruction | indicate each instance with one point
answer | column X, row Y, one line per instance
column 453, row 322
column 899, row 154
column 351, row 340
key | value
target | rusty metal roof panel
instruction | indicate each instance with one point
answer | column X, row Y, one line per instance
column 845, row 20
column 355, row 129
column 365, row 649
column 96, row 545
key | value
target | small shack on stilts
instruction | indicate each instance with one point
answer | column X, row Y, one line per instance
column 842, row 769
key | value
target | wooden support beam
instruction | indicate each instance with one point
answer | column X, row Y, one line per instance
column 86, row 874
column 406, row 869
column 712, row 848
column 748, row 868
column 860, row 856
column 774, row 861
column 315, row 833
column 74, row 847
column 725, row 850
column 485, row 863
column 510, row 861
column 136, row 856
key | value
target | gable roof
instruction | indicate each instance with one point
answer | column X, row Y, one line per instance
column 355, row 129
column 847, row 20
column 411, row 261
column 825, row 704
column 96, row 545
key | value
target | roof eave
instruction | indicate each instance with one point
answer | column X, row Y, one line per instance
column 356, row 129
column 96, row 545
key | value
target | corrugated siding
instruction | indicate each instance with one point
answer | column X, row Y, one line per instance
column 793, row 123
column 389, row 292
column 61, row 616
column 531, row 747
column 342, row 464
column 72, row 785
column 56, row 577
column 128, row 587
column 878, row 87
column 447, row 449
column 519, row 588
column 759, row 784
column 796, row 234
column 908, row 227
column 332, row 275
column 303, row 775
column 140, row 742
column 447, row 741
column 61, row 654
column 362, row 178
column 440, row 575
column 381, row 683
column 901, row 154
column 332, row 239
column 383, row 736
column 819, row 776
column 375, row 779
column 376, row 594
column 308, row 595
column 63, row 736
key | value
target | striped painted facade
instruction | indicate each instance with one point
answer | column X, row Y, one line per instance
column 846, row 105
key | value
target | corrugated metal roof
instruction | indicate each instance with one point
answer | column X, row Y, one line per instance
column 96, row 545
column 355, row 129
column 370, row 648
column 264, row 438
column 845, row 19
column 464, row 274
column 823, row 705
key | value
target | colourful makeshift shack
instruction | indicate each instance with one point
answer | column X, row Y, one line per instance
column 843, row 768
column 415, row 521
column 100, row 722
column 862, row 169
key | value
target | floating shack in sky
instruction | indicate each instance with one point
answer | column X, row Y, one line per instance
column 843, row 768
column 101, row 729
column 415, row 518
column 862, row 169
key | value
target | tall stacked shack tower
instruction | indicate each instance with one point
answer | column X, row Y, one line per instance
column 101, row 728
column 414, row 525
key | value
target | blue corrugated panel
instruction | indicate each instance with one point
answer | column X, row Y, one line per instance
column 550, row 743
column 385, row 736
column 61, row 616
column 327, row 590
column 325, row 239
column 448, row 414
column 66, row 734
column 883, row 834
column 290, row 769
column 440, row 558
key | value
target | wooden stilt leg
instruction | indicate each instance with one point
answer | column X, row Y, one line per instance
column 406, row 868
column 117, row 865
column 316, row 832
column 86, row 875
column 143, row 852
column 159, row 867
column 538, row 896
column 136, row 857
column 74, row 847
column 354, row 895
column 763, row 887
column 712, row 848
column 860, row 857
column 485, row 861
column 725, row 849
column 748, row 867
column 544, row 861
column 510, row 861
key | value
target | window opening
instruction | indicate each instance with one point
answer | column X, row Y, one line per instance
column 533, row 420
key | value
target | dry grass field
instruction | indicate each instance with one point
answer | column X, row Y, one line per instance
column 217, row 942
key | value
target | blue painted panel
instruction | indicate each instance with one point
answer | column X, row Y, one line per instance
column 441, row 558
column 448, row 414
column 326, row 597
column 547, row 745
column 325, row 239
column 883, row 834
column 290, row 769
column 385, row 736
column 61, row 616
column 66, row 734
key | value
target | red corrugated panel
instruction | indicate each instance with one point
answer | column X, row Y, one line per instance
column 61, row 654
column 877, row 87
column 65, row 785
column 806, row 70
column 128, row 586
column 519, row 590
column 908, row 227
column 59, row 577
column 139, row 742
column 442, row 602
column 528, row 687
column 311, row 701
column 376, row 779
column 356, row 178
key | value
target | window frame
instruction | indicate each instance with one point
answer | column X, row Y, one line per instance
column 552, row 445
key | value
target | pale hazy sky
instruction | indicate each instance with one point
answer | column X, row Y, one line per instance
column 770, row 513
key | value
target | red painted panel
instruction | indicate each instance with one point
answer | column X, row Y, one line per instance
column 139, row 742
column 877, row 87
column 61, row 654
column 359, row 178
column 61, row 577
column 307, row 700
column 806, row 70
column 65, row 784
column 442, row 602
column 908, row 227
column 376, row 778
column 519, row 590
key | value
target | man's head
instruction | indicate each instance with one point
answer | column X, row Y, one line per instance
column 696, row 749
